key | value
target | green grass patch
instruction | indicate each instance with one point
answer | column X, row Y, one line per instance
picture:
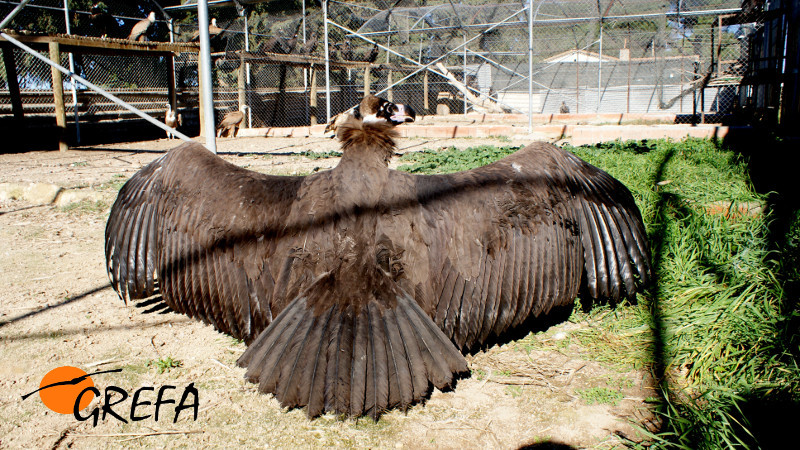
column 600, row 396
column 452, row 159
column 321, row 155
column 722, row 320
column 85, row 207
column 114, row 184
column 165, row 364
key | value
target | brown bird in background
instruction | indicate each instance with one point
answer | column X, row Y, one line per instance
column 213, row 31
column 359, row 288
column 308, row 47
column 231, row 122
column 103, row 24
column 139, row 31
column 373, row 54
column 172, row 119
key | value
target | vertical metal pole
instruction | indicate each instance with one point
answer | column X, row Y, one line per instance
column 600, row 69
column 327, row 64
column 247, row 68
column 72, row 80
column 466, row 87
column 530, row 66
column 205, row 75
column 305, row 69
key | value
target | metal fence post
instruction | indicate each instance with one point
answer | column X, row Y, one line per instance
column 327, row 63
column 206, row 93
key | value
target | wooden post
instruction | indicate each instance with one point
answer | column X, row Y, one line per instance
column 13, row 83
column 389, row 93
column 173, row 97
column 426, row 103
column 241, row 80
column 312, row 101
column 366, row 79
column 58, row 97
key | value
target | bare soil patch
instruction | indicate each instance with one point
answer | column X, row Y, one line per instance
column 57, row 308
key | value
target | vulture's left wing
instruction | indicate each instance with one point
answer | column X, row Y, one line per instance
column 487, row 249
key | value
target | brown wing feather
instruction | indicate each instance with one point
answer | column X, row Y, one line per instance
column 556, row 223
column 233, row 118
column 176, row 225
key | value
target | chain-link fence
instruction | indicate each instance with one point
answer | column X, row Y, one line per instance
column 683, row 58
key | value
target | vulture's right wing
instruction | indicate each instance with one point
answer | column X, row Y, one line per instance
column 199, row 230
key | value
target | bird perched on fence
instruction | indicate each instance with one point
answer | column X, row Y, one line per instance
column 172, row 119
column 564, row 109
column 358, row 288
column 346, row 50
column 102, row 23
column 308, row 46
column 142, row 27
column 277, row 44
column 231, row 122
column 371, row 56
column 213, row 31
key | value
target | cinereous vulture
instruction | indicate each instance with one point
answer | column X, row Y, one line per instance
column 358, row 288
column 142, row 27
column 231, row 122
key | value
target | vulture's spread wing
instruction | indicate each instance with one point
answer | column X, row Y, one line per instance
column 489, row 248
column 191, row 227
column 352, row 285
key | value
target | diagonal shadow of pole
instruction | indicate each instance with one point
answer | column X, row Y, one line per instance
column 659, row 221
column 66, row 301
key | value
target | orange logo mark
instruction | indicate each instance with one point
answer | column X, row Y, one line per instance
column 60, row 388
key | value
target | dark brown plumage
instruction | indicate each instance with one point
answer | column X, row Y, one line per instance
column 309, row 46
column 372, row 55
column 139, row 31
column 230, row 123
column 357, row 289
column 277, row 44
column 103, row 24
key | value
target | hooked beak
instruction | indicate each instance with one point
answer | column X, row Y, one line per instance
column 403, row 114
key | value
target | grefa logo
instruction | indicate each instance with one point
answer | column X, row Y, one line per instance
column 70, row 390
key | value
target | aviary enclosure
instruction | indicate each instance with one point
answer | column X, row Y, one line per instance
column 691, row 59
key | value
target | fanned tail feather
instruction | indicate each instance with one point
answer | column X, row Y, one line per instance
column 351, row 360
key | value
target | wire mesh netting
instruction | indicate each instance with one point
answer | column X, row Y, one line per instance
column 682, row 58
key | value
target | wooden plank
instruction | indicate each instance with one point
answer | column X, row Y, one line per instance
column 390, row 92
column 487, row 103
column 425, row 92
column 241, row 82
column 13, row 83
column 366, row 80
column 74, row 43
column 58, row 97
column 171, row 90
column 312, row 102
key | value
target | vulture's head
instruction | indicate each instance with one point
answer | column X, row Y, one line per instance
column 374, row 109
column 371, row 124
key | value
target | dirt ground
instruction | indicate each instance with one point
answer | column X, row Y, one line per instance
column 57, row 309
